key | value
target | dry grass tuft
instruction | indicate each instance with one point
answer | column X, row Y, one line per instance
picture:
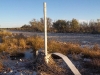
column 3, row 47
column 91, row 53
column 54, row 46
column 4, row 33
column 22, row 43
column 36, row 43
column 96, row 47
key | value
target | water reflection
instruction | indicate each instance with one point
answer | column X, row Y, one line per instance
column 27, row 54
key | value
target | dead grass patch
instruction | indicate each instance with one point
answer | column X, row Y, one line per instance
column 36, row 43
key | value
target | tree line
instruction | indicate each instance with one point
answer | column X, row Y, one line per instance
column 73, row 26
column 62, row 26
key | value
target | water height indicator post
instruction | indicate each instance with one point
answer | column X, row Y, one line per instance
column 45, row 28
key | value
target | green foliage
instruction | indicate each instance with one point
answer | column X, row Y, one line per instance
column 60, row 25
column 70, row 26
column 74, row 26
column 66, row 26
column 37, row 25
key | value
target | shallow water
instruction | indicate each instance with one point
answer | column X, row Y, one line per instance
column 27, row 55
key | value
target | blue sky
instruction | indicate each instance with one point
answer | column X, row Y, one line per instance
column 15, row 13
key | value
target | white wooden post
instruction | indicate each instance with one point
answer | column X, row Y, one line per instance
column 45, row 29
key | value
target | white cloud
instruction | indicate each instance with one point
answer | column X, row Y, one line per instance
column 81, row 21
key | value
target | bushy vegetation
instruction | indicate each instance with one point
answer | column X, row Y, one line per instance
column 22, row 43
column 75, row 27
column 35, row 42
column 3, row 47
column 61, row 26
column 5, row 33
column 16, row 42
column 70, row 48
column 13, row 43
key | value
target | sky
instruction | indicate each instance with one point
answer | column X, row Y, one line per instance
column 15, row 13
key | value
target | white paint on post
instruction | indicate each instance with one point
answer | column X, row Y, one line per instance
column 45, row 31
column 45, row 28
